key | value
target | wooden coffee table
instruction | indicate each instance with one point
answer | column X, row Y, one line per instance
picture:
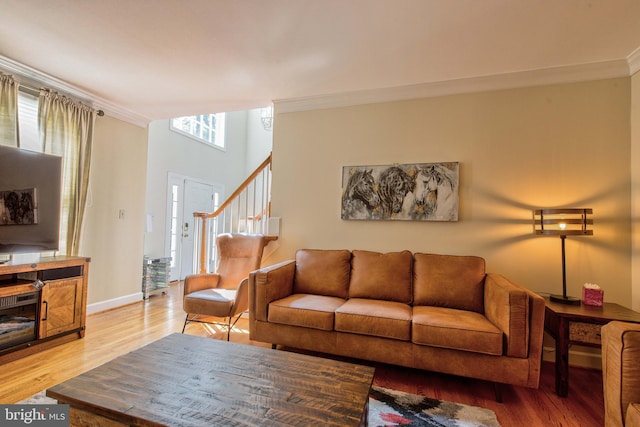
column 184, row 380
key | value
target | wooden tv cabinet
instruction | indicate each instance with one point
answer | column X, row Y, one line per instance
column 61, row 302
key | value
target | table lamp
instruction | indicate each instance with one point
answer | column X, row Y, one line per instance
column 563, row 222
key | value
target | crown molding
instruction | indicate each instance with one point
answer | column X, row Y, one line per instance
column 547, row 76
column 32, row 77
column 634, row 61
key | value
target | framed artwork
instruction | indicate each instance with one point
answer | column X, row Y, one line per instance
column 410, row 192
column 18, row 207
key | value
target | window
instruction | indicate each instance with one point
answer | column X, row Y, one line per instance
column 28, row 102
column 28, row 121
column 208, row 128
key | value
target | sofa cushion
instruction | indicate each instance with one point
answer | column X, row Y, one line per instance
column 455, row 329
column 310, row 311
column 322, row 272
column 449, row 281
column 200, row 302
column 385, row 319
column 381, row 276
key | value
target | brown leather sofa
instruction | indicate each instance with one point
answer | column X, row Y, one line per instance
column 621, row 373
column 440, row 313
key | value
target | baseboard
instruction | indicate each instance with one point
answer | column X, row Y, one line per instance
column 583, row 359
column 114, row 303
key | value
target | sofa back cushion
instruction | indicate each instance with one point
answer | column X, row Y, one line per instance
column 322, row 272
column 381, row 276
column 449, row 281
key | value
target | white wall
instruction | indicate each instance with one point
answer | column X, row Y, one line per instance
column 117, row 182
column 258, row 141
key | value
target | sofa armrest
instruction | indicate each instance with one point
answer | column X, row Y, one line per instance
column 633, row 415
column 269, row 284
column 506, row 305
column 620, row 370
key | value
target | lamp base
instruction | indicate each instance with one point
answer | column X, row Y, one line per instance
column 564, row 300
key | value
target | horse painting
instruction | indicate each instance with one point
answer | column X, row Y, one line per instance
column 435, row 194
column 393, row 185
column 418, row 192
column 360, row 198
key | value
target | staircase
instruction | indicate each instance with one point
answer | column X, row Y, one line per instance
column 246, row 211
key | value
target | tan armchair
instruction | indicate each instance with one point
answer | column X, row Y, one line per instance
column 621, row 373
column 224, row 294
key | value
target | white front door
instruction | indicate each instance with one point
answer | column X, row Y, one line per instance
column 184, row 197
column 198, row 197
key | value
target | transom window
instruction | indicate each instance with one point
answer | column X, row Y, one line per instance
column 208, row 128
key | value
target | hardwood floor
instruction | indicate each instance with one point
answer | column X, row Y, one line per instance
column 112, row 333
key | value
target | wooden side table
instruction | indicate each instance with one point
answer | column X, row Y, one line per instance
column 571, row 324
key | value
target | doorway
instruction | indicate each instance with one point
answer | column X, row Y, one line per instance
column 184, row 197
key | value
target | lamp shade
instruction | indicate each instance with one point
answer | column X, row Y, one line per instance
column 563, row 222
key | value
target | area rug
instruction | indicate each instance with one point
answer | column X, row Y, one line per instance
column 389, row 408
column 395, row 408
column 38, row 399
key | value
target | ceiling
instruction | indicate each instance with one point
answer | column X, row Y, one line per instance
column 155, row 59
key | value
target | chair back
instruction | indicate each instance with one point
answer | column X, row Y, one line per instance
column 239, row 255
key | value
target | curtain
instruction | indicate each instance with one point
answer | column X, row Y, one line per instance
column 8, row 111
column 66, row 130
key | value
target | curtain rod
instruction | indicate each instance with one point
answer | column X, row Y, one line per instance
column 35, row 91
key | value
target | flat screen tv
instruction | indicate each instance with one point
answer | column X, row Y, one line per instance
column 30, row 197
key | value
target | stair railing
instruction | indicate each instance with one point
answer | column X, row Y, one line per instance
column 246, row 211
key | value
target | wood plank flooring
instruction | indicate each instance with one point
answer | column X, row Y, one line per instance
column 112, row 333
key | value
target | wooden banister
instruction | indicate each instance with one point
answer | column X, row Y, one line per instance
column 239, row 190
column 203, row 217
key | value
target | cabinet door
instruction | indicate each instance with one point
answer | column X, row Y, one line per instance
column 61, row 306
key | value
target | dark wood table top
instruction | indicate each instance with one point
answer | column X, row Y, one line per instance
column 609, row 311
column 184, row 380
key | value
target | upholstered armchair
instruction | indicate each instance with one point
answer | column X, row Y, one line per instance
column 621, row 374
column 224, row 294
